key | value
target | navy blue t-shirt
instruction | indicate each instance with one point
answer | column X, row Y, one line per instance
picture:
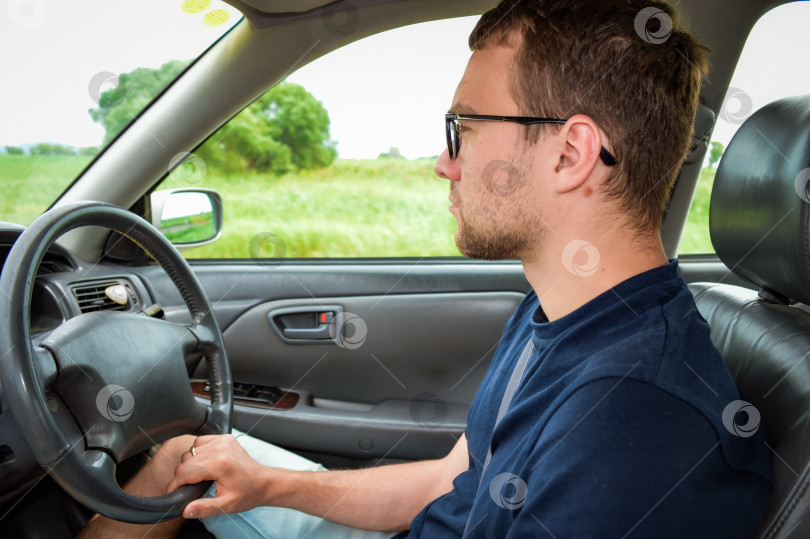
column 615, row 430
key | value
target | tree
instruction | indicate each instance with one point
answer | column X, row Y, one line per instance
column 303, row 123
column 393, row 153
column 286, row 128
column 44, row 148
column 13, row 150
column 118, row 106
column 716, row 153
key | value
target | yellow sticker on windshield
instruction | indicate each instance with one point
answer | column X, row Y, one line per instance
column 216, row 17
column 195, row 6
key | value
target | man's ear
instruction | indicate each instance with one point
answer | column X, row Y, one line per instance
column 581, row 143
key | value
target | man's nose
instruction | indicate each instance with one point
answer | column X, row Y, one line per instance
column 447, row 168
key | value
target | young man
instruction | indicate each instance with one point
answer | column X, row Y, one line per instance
column 602, row 412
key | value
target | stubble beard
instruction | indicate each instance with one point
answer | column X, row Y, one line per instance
column 507, row 230
column 496, row 243
column 499, row 222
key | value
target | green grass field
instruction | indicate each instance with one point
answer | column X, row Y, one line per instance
column 695, row 237
column 30, row 183
column 354, row 208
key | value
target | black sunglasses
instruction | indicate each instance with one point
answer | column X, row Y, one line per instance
column 451, row 122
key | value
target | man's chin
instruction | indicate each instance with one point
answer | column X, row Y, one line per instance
column 482, row 250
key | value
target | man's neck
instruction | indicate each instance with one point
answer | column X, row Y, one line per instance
column 568, row 274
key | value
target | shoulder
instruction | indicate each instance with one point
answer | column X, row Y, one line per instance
column 621, row 455
column 624, row 419
column 667, row 347
column 625, row 405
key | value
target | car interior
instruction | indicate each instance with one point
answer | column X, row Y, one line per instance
column 350, row 362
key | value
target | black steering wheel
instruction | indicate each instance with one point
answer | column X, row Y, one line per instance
column 104, row 386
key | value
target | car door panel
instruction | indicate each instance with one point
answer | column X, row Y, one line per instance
column 430, row 331
column 397, row 388
column 392, row 429
column 400, row 346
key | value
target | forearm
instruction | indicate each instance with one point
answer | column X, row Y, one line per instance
column 383, row 498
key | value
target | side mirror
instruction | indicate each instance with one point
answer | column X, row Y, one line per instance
column 187, row 217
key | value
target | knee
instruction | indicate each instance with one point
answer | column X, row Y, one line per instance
column 156, row 474
column 174, row 448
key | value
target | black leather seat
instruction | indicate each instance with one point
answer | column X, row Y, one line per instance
column 760, row 227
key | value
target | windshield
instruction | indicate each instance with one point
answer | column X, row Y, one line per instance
column 76, row 74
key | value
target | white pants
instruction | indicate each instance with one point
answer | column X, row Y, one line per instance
column 277, row 522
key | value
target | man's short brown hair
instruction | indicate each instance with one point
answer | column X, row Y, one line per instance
column 625, row 64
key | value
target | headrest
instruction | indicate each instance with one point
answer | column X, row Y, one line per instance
column 759, row 215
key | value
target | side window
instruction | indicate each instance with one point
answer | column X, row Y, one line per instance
column 767, row 70
column 337, row 161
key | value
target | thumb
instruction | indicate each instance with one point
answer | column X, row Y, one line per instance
column 202, row 508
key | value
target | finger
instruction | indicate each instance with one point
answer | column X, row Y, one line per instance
column 197, row 447
column 188, row 455
column 208, row 438
column 206, row 507
column 189, row 473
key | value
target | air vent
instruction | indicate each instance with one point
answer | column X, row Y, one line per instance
column 54, row 264
column 91, row 297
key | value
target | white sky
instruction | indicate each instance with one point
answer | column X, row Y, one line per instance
column 387, row 90
column 401, row 101
column 51, row 49
column 773, row 65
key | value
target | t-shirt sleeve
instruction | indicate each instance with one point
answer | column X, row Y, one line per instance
column 623, row 458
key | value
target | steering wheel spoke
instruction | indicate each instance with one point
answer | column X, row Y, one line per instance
column 45, row 367
column 206, row 339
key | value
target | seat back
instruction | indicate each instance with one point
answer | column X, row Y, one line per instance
column 760, row 225
column 767, row 349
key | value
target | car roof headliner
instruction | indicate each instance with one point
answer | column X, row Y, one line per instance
column 275, row 7
column 281, row 6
